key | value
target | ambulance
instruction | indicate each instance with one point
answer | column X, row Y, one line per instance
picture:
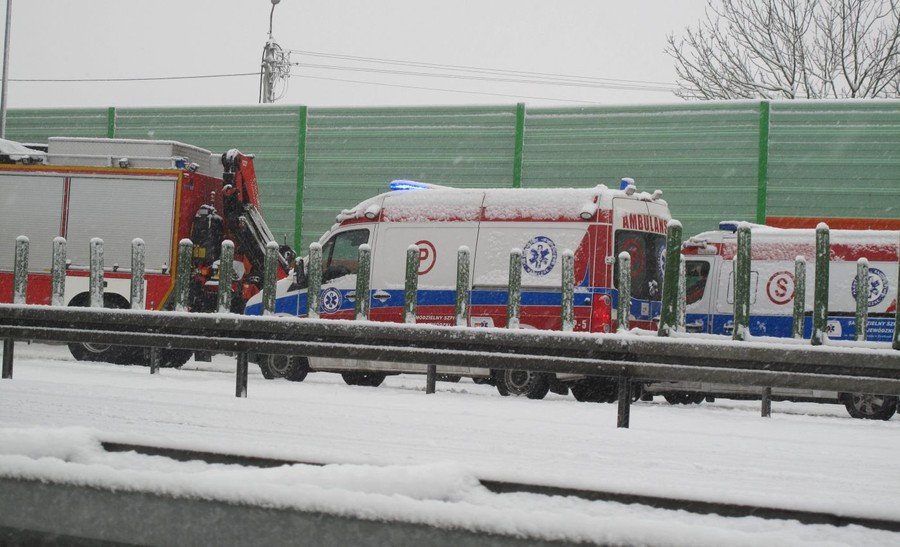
column 594, row 223
column 709, row 270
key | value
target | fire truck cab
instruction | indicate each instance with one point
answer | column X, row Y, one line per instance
column 594, row 223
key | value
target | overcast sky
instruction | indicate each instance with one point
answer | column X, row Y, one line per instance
column 594, row 40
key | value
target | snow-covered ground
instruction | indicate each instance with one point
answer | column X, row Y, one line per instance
column 402, row 455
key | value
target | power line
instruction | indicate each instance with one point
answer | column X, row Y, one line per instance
column 487, row 78
column 469, row 68
column 140, row 79
column 444, row 90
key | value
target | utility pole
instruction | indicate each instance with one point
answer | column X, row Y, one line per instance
column 5, row 70
column 275, row 67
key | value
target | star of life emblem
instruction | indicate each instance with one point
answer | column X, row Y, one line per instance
column 539, row 255
column 331, row 300
column 877, row 287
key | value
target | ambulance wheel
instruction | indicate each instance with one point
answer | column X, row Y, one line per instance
column 168, row 358
column 533, row 385
column 452, row 378
column 595, row 390
column 99, row 352
column 370, row 379
column 870, row 407
column 684, row 398
column 291, row 368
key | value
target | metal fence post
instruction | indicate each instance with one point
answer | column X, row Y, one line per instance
column 766, row 409
column 8, row 345
column 896, row 343
column 862, row 298
column 269, row 270
column 462, row 286
column 742, row 284
column 154, row 360
column 820, row 298
column 137, row 274
column 624, row 291
column 681, row 305
column 567, row 307
column 799, row 297
column 362, row 282
column 514, row 293
column 96, row 275
column 183, row 274
column 314, row 283
column 240, row 388
column 20, row 276
column 58, row 272
column 226, row 276
column 668, row 315
column 624, row 414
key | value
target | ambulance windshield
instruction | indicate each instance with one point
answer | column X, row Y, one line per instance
column 648, row 262
column 340, row 254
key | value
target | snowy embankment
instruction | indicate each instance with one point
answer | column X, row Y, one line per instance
column 401, row 455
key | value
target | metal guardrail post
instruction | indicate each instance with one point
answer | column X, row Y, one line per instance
column 799, row 297
column 567, row 307
column 8, row 346
column 269, row 278
column 668, row 315
column 514, row 293
column 362, row 282
column 624, row 291
column 314, row 280
column 862, row 298
column 240, row 388
column 226, row 277
column 681, row 306
column 137, row 274
column 154, row 360
column 896, row 343
column 58, row 272
column 183, row 274
column 820, row 298
column 96, row 273
column 411, row 287
column 20, row 268
column 624, row 414
column 742, row 284
column 462, row 286
column 766, row 410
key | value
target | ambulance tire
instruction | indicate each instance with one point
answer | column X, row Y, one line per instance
column 168, row 358
column 869, row 407
column 369, row 379
column 595, row 390
column 100, row 352
column 533, row 385
column 452, row 378
column 289, row 367
column 684, row 398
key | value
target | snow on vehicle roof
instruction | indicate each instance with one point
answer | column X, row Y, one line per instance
column 469, row 204
column 19, row 152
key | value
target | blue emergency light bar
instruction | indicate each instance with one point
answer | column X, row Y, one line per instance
column 403, row 185
column 729, row 225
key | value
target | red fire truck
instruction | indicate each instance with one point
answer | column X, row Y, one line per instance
column 118, row 190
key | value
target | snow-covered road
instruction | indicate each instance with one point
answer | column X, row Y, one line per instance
column 808, row 457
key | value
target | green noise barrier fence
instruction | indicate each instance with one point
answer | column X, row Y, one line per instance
column 741, row 160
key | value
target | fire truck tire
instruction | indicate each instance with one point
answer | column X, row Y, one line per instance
column 595, row 390
column 533, row 385
column 356, row 378
column 99, row 352
column 291, row 368
column 869, row 407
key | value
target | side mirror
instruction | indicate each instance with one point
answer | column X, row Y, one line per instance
column 300, row 273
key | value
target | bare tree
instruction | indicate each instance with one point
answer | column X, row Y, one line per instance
column 792, row 49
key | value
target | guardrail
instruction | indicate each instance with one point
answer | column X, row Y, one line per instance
column 628, row 357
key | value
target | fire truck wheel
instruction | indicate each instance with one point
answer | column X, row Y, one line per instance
column 99, row 352
column 533, row 385
column 870, row 407
column 289, row 367
column 595, row 390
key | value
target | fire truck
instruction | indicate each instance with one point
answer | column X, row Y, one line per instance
column 594, row 223
column 121, row 189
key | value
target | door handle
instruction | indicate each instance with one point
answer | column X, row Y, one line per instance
column 381, row 296
column 696, row 326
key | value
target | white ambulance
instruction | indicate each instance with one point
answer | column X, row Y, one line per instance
column 710, row 298
column 595, row 223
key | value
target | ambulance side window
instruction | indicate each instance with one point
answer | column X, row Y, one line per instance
column 340, row 254
column 696, row 276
